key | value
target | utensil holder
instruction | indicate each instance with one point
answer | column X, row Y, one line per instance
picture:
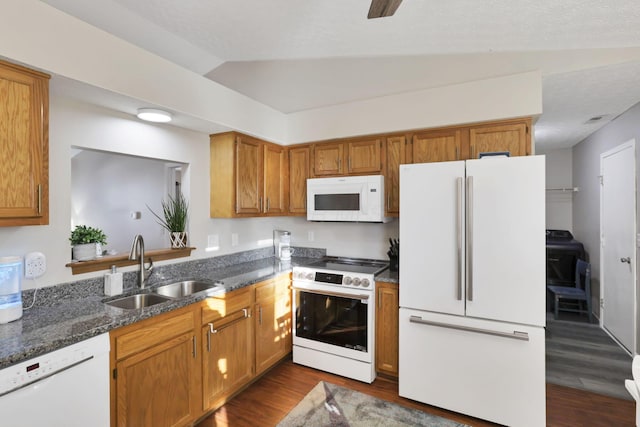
column 394, row 263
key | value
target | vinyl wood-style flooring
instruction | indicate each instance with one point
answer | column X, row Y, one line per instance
column 270, row 398
column 582, row 355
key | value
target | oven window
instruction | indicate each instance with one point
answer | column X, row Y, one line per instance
column 332, row 320
column 337, row 202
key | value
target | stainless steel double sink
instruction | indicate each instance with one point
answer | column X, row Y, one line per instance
column 164, row 293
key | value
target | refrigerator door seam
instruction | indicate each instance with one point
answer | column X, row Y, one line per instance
column 518, row 335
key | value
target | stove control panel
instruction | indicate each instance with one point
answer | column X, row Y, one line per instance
column 350, row 279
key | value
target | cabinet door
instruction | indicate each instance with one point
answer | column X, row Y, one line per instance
column 364, row 156
column 272, row 322
column 512, row 138
column 24, row 146
column 396, row 155
column 248, row 171
column 298, row 174
column 387, row 328
column 227, row 361
column 328, row 159
column 436, row 146
column 275, row 178
column 156, row 387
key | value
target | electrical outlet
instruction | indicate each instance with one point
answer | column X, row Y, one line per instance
column 35, row 264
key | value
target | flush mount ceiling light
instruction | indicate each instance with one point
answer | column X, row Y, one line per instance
column 153, row 115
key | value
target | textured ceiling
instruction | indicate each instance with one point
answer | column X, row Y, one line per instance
column 296, row 55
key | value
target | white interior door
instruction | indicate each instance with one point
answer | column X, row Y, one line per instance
column 617, row 240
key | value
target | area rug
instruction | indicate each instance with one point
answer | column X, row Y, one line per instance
column 331, row 405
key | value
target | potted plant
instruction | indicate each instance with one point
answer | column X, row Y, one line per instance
column 174, row 220
column 87, row 242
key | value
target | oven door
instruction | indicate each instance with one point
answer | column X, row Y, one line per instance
column 334, row 320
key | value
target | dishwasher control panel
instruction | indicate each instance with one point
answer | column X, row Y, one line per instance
column 32, row 370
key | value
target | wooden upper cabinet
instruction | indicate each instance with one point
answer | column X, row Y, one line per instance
column 298, row 173
column 248, row 165
column 328, row 159
column 24, row 146
column 513, row 138
column 353, row 157
column 248, row 177
column 396, row 155
column 364, row 157
column 436, row 146
column 275, row 179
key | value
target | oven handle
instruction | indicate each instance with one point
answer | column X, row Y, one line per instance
column 331, row 294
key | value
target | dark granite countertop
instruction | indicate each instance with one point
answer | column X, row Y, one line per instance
column 72, row 315
column 388, row 276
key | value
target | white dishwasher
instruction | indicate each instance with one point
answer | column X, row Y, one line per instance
column 68, row 387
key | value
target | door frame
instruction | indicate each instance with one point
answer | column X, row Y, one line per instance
column 628, row 144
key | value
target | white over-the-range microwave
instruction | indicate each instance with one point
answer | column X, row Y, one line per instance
column 346, row 199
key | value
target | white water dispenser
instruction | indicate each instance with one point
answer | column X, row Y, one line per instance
column 10, row 288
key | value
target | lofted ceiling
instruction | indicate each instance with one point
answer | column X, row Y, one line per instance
column 296, row 55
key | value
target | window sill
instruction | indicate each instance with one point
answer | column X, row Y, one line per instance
column 121, row 260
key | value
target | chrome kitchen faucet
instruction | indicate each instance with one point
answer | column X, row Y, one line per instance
column 137, row 250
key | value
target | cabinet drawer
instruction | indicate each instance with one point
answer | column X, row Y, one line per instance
column 152, row 332
column 273, row 287
column 217, row 307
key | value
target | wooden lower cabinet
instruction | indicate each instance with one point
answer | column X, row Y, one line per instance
column 272, row 322
column 387, row 308
column 227, row 337
column 155, row 378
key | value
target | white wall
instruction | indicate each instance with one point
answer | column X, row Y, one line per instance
column 559, row 171
column 76, row 124
column 586, row 170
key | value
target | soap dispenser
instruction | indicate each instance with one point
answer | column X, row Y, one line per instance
column 113, row 282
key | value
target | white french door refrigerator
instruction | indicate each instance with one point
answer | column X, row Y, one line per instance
column 472, row 287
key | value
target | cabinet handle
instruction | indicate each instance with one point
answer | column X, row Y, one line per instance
column 260, row 316
column 245, row 314
column 268, row 204
column 469, row 238
column 209, row 338
column 260, row 207
column 459, row 201
column 39, row 199
column 349, row 163
column 195, row 347
column 457, row 153
column 339, row 164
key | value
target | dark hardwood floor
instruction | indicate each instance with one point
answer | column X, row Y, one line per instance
column 270, row 398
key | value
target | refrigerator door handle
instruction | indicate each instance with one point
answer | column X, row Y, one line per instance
column 459, row 183
column 516, row 335
column 470, row 238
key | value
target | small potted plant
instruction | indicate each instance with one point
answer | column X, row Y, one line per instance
column 87, row 242
column 174, row 220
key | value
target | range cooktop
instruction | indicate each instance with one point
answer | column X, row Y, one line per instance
column 352, row 265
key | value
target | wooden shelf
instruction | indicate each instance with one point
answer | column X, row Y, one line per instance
column 121, row 260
